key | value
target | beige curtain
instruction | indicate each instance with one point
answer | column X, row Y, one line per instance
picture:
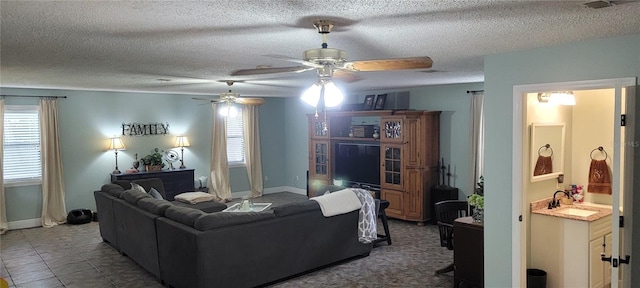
column 252, row 148
column 477, row 136
column 53, row 207
column 220, row 186
column 4, row 225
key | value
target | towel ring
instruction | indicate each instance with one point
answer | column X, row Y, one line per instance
column 601, row 150
column 548, row 147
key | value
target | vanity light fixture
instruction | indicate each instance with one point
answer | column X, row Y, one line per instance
column 557, row 98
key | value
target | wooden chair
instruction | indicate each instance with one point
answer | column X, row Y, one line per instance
column 446, row 212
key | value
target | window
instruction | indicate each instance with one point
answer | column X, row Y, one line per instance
column 21, row 144
column 235, row 140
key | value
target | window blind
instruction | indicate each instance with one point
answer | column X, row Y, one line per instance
column 22, row 161
column 235, row 139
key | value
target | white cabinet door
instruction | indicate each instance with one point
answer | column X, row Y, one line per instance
column 600, row 272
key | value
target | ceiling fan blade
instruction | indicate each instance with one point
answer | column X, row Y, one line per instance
column 294, row 60
column 259, row 71
column 249, row 101
column 346, row 76
column 389, row 64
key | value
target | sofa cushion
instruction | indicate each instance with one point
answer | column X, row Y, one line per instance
column 224, row 219
column 155, row 206
column 296, row 208
column 133, row 196
column 155, row 194
column 184, row 215
column 112, row 189
column 208, row 206
column 125, row 184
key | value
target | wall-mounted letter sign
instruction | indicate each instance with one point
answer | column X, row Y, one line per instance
column 137, row 129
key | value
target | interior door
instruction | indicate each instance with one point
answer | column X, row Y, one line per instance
column 622, row 195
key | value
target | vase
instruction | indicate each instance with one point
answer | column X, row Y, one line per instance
column 478, row 215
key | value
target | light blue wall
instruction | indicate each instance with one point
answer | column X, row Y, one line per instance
column 89, row 118
column 455, row 130
column 597, row 59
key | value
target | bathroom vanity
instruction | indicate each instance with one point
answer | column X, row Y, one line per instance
column 566, row 242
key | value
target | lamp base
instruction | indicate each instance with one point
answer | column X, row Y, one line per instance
column 116, row 171
column 183, row 167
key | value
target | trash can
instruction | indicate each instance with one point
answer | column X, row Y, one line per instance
column 536, row 278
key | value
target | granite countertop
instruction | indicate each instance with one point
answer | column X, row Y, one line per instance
column 541, row 207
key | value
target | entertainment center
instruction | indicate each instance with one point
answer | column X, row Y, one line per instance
column 393, row 152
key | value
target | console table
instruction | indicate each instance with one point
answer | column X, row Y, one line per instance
column 175, row 181
column 468, row 253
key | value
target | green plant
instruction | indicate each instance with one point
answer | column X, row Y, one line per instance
column 476, row 200
column 155, row 158
column 480, row 188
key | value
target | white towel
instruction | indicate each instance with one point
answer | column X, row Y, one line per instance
column 339, row 202
column 194, row 197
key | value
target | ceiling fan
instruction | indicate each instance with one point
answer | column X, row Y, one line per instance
column 232, row 97
column 326, row 61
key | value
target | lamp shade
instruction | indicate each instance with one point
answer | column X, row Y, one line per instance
column 182, row 141
column 332, row 94
column 228, row 110
column 115, row 143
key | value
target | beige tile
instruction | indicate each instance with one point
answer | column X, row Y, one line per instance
column 32, row 276
column 52, row 282
column 15, row 269
column 83, row 266
column 85, row 279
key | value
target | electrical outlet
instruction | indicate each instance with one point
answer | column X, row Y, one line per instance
column 297, row 178
column 266, row 178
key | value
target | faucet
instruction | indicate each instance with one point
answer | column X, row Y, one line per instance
column 556, row 203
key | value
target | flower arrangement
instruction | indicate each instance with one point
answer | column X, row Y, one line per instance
column 477, row 201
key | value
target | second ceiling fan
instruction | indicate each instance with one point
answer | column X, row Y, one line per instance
column 329, row 62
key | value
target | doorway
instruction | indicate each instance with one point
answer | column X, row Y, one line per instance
column 603, row 101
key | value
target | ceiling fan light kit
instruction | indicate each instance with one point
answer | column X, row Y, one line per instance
column 326, row 61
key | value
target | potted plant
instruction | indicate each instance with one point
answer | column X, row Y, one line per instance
column 477, row 201
column 153, row 161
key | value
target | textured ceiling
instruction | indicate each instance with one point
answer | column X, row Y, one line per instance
column 187, row 47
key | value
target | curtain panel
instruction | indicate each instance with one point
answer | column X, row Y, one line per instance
column 54, row 211
column 477, row 136
column 4, row 225
column 220, row 186
column 252, row 156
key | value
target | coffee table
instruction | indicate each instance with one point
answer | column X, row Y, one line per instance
column 256, row 207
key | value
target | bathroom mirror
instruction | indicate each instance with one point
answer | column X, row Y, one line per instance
column 547, row 150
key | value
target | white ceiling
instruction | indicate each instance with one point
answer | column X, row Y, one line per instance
column 187, row 47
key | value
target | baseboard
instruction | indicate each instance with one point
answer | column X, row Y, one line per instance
column 23, row 224
column 271, row 190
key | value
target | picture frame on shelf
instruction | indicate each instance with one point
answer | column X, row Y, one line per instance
column 368, row 102
column 380, row 101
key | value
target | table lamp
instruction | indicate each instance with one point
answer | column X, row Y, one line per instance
column 182, row 141
column 116, row 144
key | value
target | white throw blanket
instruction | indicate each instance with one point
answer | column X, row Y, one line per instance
column 194, row 197
column 339, row 202
column 347, row 200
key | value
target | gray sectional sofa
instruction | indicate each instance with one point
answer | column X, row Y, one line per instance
column 187, row 247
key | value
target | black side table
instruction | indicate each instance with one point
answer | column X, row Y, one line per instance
column 383, row 216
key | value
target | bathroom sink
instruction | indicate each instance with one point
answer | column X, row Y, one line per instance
column 577, row 212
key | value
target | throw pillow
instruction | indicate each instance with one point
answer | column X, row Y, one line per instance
column 135, row 186
column 155, row 194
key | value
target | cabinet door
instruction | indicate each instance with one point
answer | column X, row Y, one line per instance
column 318, row 127
column 392, row 129
column 396, row 203
column 392, row 167
column 413, row 197
column 413, row 149
column 599, row 271
column 319, row 159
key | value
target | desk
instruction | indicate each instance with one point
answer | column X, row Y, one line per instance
column 468, row 253
column 174, row 181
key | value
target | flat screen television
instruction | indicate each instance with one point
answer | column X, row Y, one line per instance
column 357, row 163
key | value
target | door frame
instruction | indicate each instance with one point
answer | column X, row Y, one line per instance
column 519, row 209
